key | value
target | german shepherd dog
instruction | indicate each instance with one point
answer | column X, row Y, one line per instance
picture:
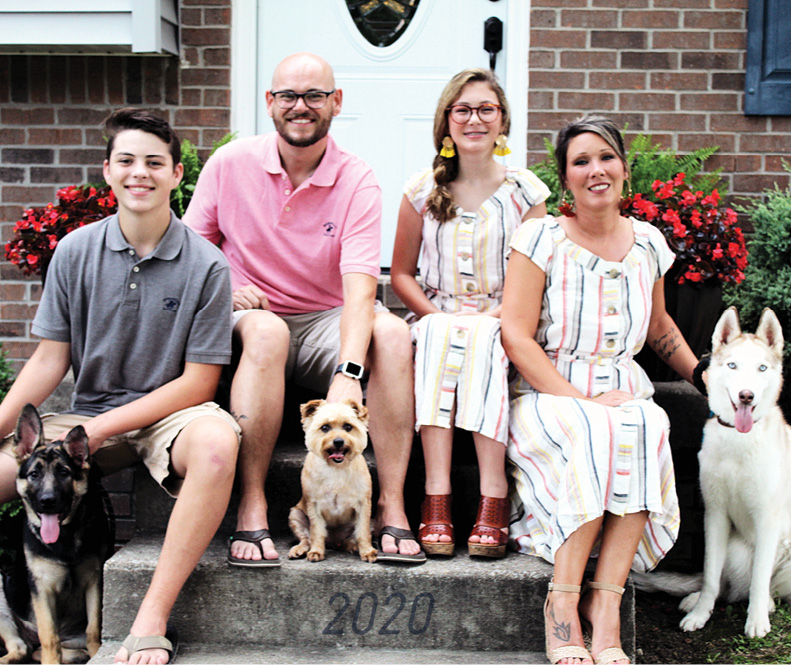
column 52, row 598
column 745, row 465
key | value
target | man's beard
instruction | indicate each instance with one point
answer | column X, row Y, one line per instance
column 320, row 129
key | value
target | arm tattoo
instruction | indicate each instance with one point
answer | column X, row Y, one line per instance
column 666, row 345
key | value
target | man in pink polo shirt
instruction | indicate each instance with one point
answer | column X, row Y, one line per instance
column 299, row 221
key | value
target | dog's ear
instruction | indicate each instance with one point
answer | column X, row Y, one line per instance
column 29, row 433
column 770, row 331
column 727, row 329
column 308, row 409
column 359, row 409
column 76, row 444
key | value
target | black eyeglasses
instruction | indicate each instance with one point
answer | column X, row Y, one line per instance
column 314, row 99
column 461, row 113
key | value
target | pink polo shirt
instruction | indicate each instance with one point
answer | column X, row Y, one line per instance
column 293, row 244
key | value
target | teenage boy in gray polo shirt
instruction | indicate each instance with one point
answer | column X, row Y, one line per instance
column 139, row 307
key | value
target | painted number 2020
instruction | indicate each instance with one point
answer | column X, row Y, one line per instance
column 366, row 608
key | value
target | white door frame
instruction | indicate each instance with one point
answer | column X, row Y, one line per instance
column 244, row 70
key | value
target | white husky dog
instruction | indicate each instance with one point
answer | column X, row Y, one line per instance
column 745, row 478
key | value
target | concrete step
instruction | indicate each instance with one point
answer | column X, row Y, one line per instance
column 233, row 654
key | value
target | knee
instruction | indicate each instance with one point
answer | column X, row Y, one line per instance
column 391, row 337
column 265, row 339
column 215, row 448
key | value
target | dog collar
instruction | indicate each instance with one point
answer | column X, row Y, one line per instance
column 719, row 420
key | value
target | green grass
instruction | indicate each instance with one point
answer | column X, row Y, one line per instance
column 774, row 648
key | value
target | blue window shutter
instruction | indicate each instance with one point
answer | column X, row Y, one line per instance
column 768, row 79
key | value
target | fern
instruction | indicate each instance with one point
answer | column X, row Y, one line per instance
column 181, row 196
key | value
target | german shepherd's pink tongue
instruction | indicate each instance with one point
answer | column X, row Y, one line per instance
column 50, row 528
column 743, row 420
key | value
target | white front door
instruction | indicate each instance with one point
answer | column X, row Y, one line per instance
column 389, row 93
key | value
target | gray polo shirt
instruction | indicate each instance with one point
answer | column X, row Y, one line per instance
column 132, row 323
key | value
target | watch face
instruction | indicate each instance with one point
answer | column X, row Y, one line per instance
column 353, row 369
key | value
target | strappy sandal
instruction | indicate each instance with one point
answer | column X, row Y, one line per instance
column 567, row 650
column 435, row 518
column 493, row 515
column 169, row 642
column 609, row 655
column 256, row 537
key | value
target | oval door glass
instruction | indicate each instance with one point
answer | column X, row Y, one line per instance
column 382, row 22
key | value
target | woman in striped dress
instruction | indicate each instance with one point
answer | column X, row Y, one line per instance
column 463, row 213
column 588, row 448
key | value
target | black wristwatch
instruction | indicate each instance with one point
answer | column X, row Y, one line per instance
column 351, row 369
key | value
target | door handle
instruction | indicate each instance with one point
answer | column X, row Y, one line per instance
column 492, row 39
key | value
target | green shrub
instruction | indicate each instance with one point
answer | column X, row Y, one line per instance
column 767, row 281
column 181, row 196
column 648, row 162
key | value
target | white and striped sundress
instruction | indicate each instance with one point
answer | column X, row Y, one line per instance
column 463, row 268
column 573, row 459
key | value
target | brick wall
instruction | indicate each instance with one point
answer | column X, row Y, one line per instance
column 670, row 68
column 51, row 108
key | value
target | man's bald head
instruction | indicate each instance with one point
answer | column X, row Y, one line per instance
column 303, row 66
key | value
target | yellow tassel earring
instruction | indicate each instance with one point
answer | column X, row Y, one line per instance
column 448, row 148
column 500, row 147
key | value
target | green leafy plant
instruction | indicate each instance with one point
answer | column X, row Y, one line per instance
column 181, row 196
column 767, row 281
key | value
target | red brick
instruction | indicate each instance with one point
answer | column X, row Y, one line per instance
column 19, row 350
column 774, row 163
column 8, row 174
column 716, row 20
column 39, row 88
column 720, row 81
column 678, row 81
column 617, row 4
column 82, row 116
column 768, row 143
column 53, row 136
column 94, row 136
column 11, row 213
column 221, row 16
column 57, row 79
column 204, row 76
column 218, row 57
column 682, row 4
column 543, row 18
column 203, row 117
column 28, row 196
column 9, row 292
column 213, row 97
column 700, row 60
column 735, row 163
column 28, row 156
column 191, row 17
column 17, row 312
column 96, row 79
column 542, row 100
column 781, row 124
column 619, row 39
column 690, row 142
column 559, row 3
column 90, row 156
column 206, row 36
column 730, row 40
column 737, row 122
column 191, row 56
column 677, row 122
column 553, row 80
column 211, row 136
column 12, row 136
column 541, row 59
column 648, row 60
column 9, row 271
column 214, row 3
column 663, row 140
column 172, row 85
column 646, row 101
column 191, row 135
column 572, row 18
column 5, row 80
column 28, row 116
column 666, row 39
column 12, row 329
column 57, row 175
column 115, row 81
column 746, row 182
column 190, row 97
column 588, row 60
column 650, row 18
column 551, row 120
column 586, row 101
column 710, row 102
column 94, row 174
column 616, row 80
column 77, row 79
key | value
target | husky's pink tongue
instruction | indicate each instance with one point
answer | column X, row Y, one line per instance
column 50, row 528
column 743, row 420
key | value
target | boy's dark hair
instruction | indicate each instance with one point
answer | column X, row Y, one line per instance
column 131, row 118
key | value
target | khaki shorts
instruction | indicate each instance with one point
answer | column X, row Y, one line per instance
column 314, row 347
column 150, row 445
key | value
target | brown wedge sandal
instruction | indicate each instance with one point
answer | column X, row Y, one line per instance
column 435, row 518
column 493, row 515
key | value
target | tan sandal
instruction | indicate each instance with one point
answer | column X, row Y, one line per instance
column 567, row 650
column 609, row 655
column 493, row 516
column 435, row 518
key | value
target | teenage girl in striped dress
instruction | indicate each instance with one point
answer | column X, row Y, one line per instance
column 589, row 448
column 463, row 213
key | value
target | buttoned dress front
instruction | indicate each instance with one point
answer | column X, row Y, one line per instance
column 461, row 358
column 574, row 459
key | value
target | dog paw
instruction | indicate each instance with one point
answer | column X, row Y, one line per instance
column 316, row 555
column 16, row 656
column 369, row 555
column 297, row 551
column 757, row 626
column 688, row 604
column 694, row 621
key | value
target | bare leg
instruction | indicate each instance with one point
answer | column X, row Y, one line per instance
column 204, row 453
column 562, row 621
column 391, row 405
column 491, row 467
column 620, row 538
column 257, row 395
column 437, row 455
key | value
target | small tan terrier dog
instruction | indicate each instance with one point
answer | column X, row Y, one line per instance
column 335, row 507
